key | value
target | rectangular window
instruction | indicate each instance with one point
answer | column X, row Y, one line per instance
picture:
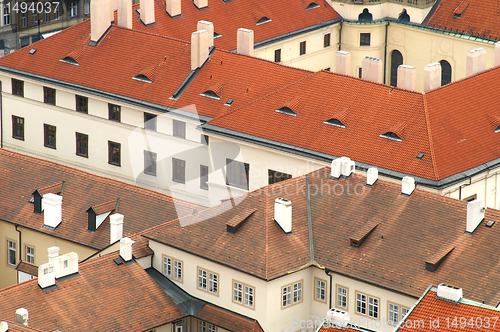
column 150, row 121
column 393, row 314
column 73, row 9
column 172, row 268
column 49, row 136
column 114, row 112
column 150, row 163
column 208, row 281
column 361, row 303
column 49, row 95
column 243, row 294
column 82, row 104
column 237, row 174
column 320, row 290
column 82, row 145
column 291, row 294
column 179, row 129
column 373, row 307
column 30, row 254
column 17, row 87
column 341, row 297
column 24, row 20
column 275, row 176
column 327, row 39
column 6, row 14
column 404, row 311
column 167, row 266
column 365, row 39
column 114, row 153
column 18, row 127
column 203, row 177
column 178, row 170
column 303, row 47
column 178, row 270
column 11, row 252
column 277, row 55
column 207, row 327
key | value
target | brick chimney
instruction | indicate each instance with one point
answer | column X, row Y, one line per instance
column 52, row 210
column 99, row 19
column 116, row 227
column 407, row 77
column 125, row 13
column 199, row 48
column 343, row 63
column 147, row 11
column 371, row 68
column 497, row 54
column 476, row 61
column 245, row 41
column 432, row 76
column 173, row 7
column 209, row 26
column 201, row 3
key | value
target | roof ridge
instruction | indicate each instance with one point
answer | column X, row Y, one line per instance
column 429, row 135
column 114, row 26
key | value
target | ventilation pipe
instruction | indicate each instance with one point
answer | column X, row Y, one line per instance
column 116, row 227
column 209, row 26
column 432, row 76
column 52, row 207
column 283, row 214
column 199, row 48
column 99, row 19
column 407, row 77
column 475, row 214
column 245, row 41
column 201, row 3
column 343, row 62
column 147, row 11
column 476, row 61
column 125, row 14
column 371, row 68
column 173, row 7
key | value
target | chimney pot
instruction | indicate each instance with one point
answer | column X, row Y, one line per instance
column 52, row 205
column 407, row 185
column 371, row 176
column 22, row 316
column 407, row 77
column 147, row 11
column 475, row 214
column 116, row 227
column 99, row 19
column 173, row 7
column 343, row 63
column 476, row 61
column 371, row 68
column 497, row 54
column 125, row 13
column 201, row 3
column 283, row 214
column 209, row 26
column 245, row 41
column 126, row 249
column 432, row 76
column 199, row 48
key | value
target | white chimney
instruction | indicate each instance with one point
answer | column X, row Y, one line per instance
column 371, row 176
column 209, row 26
column 407, row 77
column 66, row 265
column 53, row 254
column 343, row 62
column 46, row 275
column 22, row 316
column 432, row 76
column 337, row 318
column 99, row 19
column 125, row 13
column 476, row 61
column 336, row 167
column 52, row 210
column 147, row 11
column 199, row 48
column 245, row 41
column 497, row 54
column 116, row 227
column 4, row 326
column 201, row 3
column 407, row 185
column 449, row 293
column 475, row 214
column 126, row 249
column 283, row 214
column 173, row 7
column 348, row 167
column 371, row 68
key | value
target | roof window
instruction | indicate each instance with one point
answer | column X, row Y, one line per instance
column 70, row 60
column 142, row 78
column 392, row 136
column 312, row 5
column 335, row 122
column 210, row 94
column 263, row 20
column 287, row 111
column 32, row 51
column 497, row 130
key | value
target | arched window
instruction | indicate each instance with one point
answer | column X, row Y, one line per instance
column 335, row 122
column 211, row 94
column 404, row 17
column 445, row 72
column 396, row 61
column 392, row 136
column 287, row 111
column 365, row 16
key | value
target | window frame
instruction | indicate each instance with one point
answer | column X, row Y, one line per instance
column 337, row 305
column 78, row 145
column 315, row 290
column 179, row 129
column 112, row 144
column 244, row 287
column 114, row 112
column 173, row 274
column 175, row 178
column 389, row 312
column 46, row 136
column 29, row 257
column 291, row 294
column 81, row 107
column 150, row 169
column 229, row 175
column 204, row 177
column 10, row 250
column 205, row 326
column 303, row 47
column 15, row 125
column 6, row 14
column 277, row 55
column 363, row 38
column 365, row 304
column 208, row 275
column 73, row 9
column 377, row 306
column 368, row 297
column 327, row 40
column 49, row 96
column 17, row 87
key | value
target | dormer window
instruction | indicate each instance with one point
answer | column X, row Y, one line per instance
column 217, row 35
column 263, row 20
column 312, row 5
column 70, row 60
column 497, row 130
column 335, row 122
column 287, row 111
column 392, row 136
column 142, row 78
column 211, row 94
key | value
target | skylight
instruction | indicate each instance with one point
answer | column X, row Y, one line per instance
column 210, row 94
column 70, row 60
column 32, row 51
column 287, row 111
column 142, row 78
column 229, row 102
column 312, row 5
column 263, row 20
column 392, row 136
column 335, row 122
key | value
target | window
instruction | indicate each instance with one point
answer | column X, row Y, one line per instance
column 445, row 72
column 172, row 268
column 275, row 176
column 367, row 305
column 24, row 20
column 365, row 39
column 82, row 104
column 373, row 307
column 392, row 136
column 287, row 111
column 204, row 139
column 243, row 294
column 6, row 14
column 335, row 122
column 404, row 311
column 30, row 254
column 208, row 281
column 237, row 174
column 73, row 9
column 303, row 47
column 203, row 177
column 207, row 327
column 150, row 121
column 178, row 170
column 365, row 16
column 320, row 290
column 291, row 294
column 46, row 17
column 49, row 96
column 178, row 270
column 360, row 72
column 470, row 198
column 49, row 136
column 393, row 313
column 18, row 127
column 114, row 112
column 179, row 129
column 82, row 145
column 167, row 266
column 277, row 55
column 17, row 87
column 396, row 61
column 327, row 37
column 114, row 153
column 11, row 252
column 342, row 297
column 361, row 303
column 150, row 163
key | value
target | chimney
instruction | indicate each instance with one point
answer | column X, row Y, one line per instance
column 147, row 11
column 407, row 185
column 497, row 54
column 348, row 167
column 66, row 265
column 199, row 48
column 116, row 227
column 475, row 214
column 46, row 275
column 449, row 293
column 125, row 14
column 99, row 19
column 337, row 318
column 4, row 326
column 52, row 206
column 407, row 77
column 53, row 254
column 22, row 316
column 201, row 3
column 173, row 7
column 342, row 166
column 126, row 249
column 283, row 214
column 245, row 41
column 371, row 176
column 343, row 62
column 209, row 26
column 476, row 61
column 432, row 76
column 371, row 68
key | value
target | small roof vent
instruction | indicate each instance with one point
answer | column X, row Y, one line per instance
column 335, row 122
column 392, row 136
column 32, row 51
column 287, row 111
column 312, row 5
column 229, row 102
column 217, row 35
column 142, row 78
column 497, row 129
column 70, row 60
column 420, row 155
column 238, row 220
column 210, row 94
column 449, row 293
column 263, row 20
column 362, row 234
column 433, row 263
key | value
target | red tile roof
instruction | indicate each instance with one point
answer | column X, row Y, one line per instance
column 15, row 327
column 450, row 317
column 27, row 268
column 473, row 17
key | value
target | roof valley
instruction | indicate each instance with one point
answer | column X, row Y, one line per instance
column 429, row 134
